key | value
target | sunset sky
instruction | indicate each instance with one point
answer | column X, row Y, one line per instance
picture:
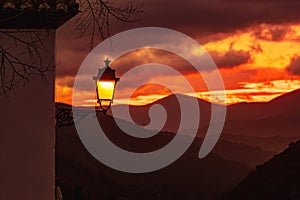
column 255, row 44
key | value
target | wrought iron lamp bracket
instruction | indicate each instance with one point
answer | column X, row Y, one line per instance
column 68, row 116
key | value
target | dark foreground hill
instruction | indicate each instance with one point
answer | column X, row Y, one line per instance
column 276, row 179
column 79, row 174
column 271, row 125
column 252, row 134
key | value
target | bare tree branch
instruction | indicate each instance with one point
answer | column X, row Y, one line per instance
column 96, row 16
column 94, row 19
column 22, row 67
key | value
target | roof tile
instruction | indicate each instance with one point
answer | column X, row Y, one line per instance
column 36, row 13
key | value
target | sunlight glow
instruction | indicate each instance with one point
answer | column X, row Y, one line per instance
column 106, row 89
column 261, row 78
column 253, row 92
column 264, row 51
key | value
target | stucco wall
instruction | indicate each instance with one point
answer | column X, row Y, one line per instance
column 27, row 132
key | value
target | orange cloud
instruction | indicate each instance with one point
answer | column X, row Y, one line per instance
column 253, row 92
column 267, row 47
column 255, row 63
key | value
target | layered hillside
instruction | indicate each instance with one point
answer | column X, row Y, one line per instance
column 276, row 179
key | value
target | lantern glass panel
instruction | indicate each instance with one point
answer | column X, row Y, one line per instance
column 105, row 89
column 105, row 104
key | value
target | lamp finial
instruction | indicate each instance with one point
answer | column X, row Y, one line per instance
column 107, row 61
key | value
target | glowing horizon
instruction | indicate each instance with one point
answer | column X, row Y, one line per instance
column 249, row 95
column 255, row 68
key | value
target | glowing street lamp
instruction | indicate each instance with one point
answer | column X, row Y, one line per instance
column 105, row 86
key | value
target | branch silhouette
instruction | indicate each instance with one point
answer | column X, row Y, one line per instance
column 94, row 18
column 20, row 68
column 97, row 14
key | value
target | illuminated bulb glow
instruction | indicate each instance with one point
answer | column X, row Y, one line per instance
column 106, row 89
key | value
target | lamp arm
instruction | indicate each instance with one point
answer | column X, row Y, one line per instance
column 68, row 117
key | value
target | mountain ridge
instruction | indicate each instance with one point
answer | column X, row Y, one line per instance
column 277, row 178
column 76, row 167
column 286, row 95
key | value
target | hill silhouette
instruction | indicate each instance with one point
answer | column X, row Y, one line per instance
column 140, row 115
column 243, row 153
column 272, row 143
column 251, row 137
column 286, row 104
column 276, row 179
column 274, row 122
column 187, row 178
column 275, row 118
